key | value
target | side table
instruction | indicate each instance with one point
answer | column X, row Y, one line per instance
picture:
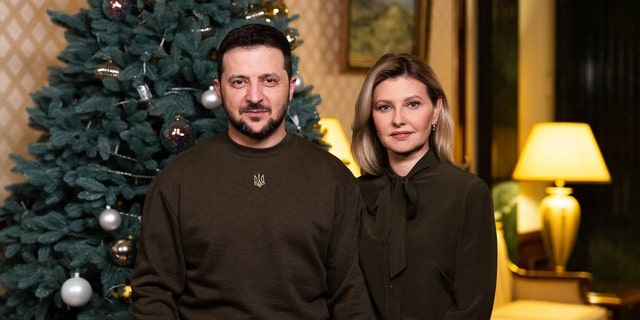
column 622, row 300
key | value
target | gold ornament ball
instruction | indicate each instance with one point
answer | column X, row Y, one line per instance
column 107, row 70
column 206, row 32
column 123, row 292
column 292, row 38
column 276, row 8
column 255, row 11
column 123, row 252
column 267, row 9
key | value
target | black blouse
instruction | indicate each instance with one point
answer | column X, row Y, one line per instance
column 428, row 243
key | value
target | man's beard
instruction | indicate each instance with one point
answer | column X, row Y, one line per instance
column 271, row 126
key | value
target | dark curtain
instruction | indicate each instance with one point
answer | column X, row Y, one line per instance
column 598, row 82
column 497, row 89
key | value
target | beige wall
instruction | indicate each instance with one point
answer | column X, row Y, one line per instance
column 29, row 43
column 536, row 94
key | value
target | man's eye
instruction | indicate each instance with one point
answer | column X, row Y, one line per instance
column 271, row 81
column 237, row 83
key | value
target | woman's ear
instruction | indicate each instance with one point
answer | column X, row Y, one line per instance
column 436, row 110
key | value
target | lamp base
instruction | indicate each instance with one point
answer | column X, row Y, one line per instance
column 560, row 214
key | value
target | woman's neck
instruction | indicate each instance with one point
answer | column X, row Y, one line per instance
column 401, row 164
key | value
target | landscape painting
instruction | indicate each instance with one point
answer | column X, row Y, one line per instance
column 376, row 27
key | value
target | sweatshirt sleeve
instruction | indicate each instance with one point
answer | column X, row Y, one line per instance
column 159, row 270
column 348, row 295
column 476, row 257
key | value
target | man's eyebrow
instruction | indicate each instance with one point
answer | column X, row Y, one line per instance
column 269, row 75
column 262, row 76
column 235, row 76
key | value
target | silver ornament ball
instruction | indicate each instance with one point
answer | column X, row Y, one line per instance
column 110, row 219
column 76, row 291
column 210, row 99
column 299, row 83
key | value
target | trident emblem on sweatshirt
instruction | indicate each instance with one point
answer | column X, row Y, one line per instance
column 258, row 180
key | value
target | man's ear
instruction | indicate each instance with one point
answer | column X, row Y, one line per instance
column 216, row 85
column 292, row 86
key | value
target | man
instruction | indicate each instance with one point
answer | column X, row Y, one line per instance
column 255, row 223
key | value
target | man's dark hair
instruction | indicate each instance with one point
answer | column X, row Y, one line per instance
column 253, row 35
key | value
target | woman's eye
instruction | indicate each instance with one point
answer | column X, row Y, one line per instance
column 413, row 104
column 383, row 107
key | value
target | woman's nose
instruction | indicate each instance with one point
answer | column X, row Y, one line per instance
column 398, row 116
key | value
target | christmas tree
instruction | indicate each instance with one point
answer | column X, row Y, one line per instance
column 134, row 91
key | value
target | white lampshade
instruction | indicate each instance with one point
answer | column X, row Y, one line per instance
column 340, row 147
column 562, row 151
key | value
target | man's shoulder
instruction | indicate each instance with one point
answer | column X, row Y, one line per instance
column 193, row 157
column 318, row 157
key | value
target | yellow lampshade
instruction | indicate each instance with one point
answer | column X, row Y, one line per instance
column 560, row 151
column 563, row 151
column 340, row 147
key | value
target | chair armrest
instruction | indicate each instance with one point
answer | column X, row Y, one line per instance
column 565, row 287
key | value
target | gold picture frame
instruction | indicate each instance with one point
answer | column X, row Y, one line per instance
column 373, row 28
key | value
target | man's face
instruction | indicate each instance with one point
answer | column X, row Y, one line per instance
column 255, row 90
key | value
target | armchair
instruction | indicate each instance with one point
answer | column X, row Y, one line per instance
column 541, row 295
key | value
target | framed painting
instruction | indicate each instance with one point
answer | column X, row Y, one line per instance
column 376, row 27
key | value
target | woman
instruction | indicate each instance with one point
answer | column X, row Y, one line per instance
column 428, row 241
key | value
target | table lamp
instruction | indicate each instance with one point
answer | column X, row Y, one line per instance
column 339, row 145
column 560, row 152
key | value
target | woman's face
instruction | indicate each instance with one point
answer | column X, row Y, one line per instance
column 403, row 114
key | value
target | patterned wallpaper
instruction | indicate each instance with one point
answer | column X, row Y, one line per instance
column 30, row 43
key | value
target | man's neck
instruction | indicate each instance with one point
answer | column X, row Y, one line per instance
column 266, row 142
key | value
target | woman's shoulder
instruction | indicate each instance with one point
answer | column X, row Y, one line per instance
column 370, row 186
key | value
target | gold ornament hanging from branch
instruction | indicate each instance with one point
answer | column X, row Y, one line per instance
column 107, row 70
column 267, row 9
column 255, row 11
column 123, row 252
column 276, row 8
column 205, row 32
column 122, row 292
column 292, row 38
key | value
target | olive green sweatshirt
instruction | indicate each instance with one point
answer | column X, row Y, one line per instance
column 230, row 232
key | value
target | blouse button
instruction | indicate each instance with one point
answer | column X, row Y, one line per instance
column 390, row 287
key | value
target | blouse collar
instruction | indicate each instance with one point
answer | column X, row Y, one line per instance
column 397, row 203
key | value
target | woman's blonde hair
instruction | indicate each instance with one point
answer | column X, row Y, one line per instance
column 367, row 150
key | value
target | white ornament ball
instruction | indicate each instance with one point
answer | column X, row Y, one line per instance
column 110, row 219
column 210, row 99
column 76, row 291
column 299, row 83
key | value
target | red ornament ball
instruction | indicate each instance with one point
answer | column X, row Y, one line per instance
column 177, row 135
column 116, row 9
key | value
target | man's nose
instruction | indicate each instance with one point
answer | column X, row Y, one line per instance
column 255, row 93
